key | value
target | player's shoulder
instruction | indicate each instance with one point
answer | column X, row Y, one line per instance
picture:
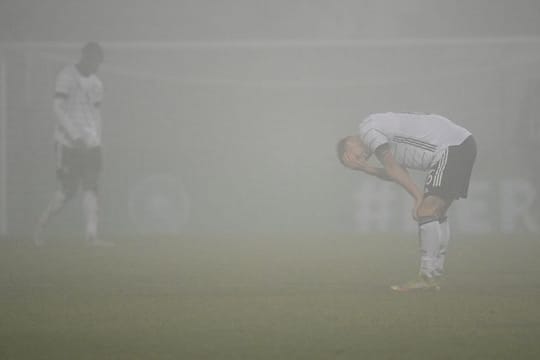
column 66, row 79
column 96, row 81
column 95, row 78
column 374, row 120
column 381, row 116
column 67, row 71
column 66, row 75
column 374, row 128
column 396, row 118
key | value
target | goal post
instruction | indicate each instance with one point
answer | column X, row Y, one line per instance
column 3, row 147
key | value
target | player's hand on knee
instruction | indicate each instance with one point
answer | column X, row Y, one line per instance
column 415, row 212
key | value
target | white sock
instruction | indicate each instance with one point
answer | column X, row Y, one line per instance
column 55, row 205
column 445, row 239
column 90, row 205
column 430, row 233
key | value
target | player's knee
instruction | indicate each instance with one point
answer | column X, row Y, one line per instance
column 427, row 219
column 66, row 194
column 90, row 184
column 431, row 208
column 428, row 211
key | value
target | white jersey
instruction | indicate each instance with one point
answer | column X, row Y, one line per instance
column 81, row 107
column 417, row 141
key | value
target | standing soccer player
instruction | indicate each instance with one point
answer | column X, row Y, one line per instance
column 427, row 142
column 77, row 99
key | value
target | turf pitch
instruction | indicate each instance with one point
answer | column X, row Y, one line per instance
column 263, row 297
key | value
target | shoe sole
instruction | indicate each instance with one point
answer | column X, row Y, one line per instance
column 398, row 288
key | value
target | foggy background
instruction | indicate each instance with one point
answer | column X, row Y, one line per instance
column 222, row 116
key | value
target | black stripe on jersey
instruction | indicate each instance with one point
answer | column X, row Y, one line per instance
column 415, row 142
column 423, row 147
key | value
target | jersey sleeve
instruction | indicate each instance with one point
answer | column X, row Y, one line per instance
column 63, row 82
column 97, row 96
column 371, row 136
column 64, row 85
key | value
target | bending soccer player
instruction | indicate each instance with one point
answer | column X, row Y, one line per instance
column 427, row 142
column 77, row 99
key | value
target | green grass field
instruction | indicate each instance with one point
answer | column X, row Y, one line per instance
column 268, row 298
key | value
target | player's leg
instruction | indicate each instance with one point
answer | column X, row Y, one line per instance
column 53, row 207
column 446, row 181
column 454, row 184
column 92, row 172
column 68, row 184
column 443, row 248
column 430, row 234
column 90, row 208
column 92, row 168
column 91, row 211
column 450, row 182
column 428, row 214
column 439, row 192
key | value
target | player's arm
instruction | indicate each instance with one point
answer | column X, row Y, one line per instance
column 62, row 117
column 398, row 173
column 97, row 108
column 359, row 162
column 375, row 171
